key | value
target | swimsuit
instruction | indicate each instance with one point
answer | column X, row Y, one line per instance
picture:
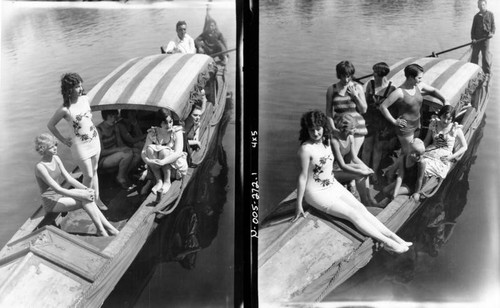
column 408, row 106
column 49, row 196
column 376, row 123
column 345, row 104
column 322, row 189
column 85, row 139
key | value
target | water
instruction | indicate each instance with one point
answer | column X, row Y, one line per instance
column 300, row 43
column 40, row 42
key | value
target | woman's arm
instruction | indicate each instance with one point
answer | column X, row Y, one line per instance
column 304, row 158
column 427, row 89
column 340, row 158
column 71, row 180
column 428, row 136
column 463, row 145
column 178, row 146
column 51, row 125
column 79, row 194
column 357, row 94
column 329, row 110
column 391, row 99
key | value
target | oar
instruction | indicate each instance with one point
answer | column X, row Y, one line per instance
column 434, row 54
column 222, row 52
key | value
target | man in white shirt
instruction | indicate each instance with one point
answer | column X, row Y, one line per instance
column 183, row 43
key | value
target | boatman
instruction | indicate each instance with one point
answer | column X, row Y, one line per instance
column 483, row 27
column 182, row 43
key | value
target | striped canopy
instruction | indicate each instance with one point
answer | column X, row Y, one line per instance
column 153, row 82
column 455, row 79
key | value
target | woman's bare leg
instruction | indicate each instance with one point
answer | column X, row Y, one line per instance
column 90, row 178
column 358, row 142
column 344, row 210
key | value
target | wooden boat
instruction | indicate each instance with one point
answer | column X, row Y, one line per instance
column 305, row 260
column 56, row 260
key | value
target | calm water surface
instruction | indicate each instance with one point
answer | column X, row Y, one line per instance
column 40, row 42
column 300, row 43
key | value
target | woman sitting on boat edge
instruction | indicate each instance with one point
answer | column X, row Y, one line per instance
column 163, row 151
column 346, row 165
column 410, row 172
column 50, row 174
column 317, row 185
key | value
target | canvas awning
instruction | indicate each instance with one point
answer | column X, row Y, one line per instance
column 153, row 82
column 456, row 80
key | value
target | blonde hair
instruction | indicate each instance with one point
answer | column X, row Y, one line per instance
column 43, row 142
column 417, row 145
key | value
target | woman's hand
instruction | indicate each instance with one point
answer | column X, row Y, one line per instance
column 87, row 194
column 351, row 90
column 416, row 196
column 299, row 212
column 67, row 142
column 401, row 122
column 445, row 159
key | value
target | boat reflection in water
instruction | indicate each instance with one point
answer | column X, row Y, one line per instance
column 190, row 228
column 429, row 229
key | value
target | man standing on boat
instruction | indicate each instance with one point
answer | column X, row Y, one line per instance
column 183, row 43
column 483, row 27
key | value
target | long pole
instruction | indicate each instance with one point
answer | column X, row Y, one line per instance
column 222, row 52
column 435, row 54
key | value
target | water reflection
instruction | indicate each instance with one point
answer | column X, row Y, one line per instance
column 192, row 227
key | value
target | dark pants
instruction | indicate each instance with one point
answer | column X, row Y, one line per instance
column 482, row 47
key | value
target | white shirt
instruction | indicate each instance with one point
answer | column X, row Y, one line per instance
column 181, row 46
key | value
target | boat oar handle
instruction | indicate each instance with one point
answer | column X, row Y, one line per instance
column 222, row 52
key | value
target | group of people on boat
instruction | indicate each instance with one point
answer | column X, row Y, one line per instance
column 117, row 144
column 341, row 150
column 210, row 41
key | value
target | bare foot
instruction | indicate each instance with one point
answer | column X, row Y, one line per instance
column 112, row 230
column 165, row 187
column 400, row 240
column 395, row 248
column 102, row 233
column 101, row 205
column 157, row 187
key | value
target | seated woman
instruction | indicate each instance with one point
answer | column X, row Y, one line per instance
column 193, row 122
column 162, row 152
column 410, row 171
column 114, row 153
column 381, row 137
column 130, row 131
column 443, row 133
column 317, row 185
column 50, row 174
column 347, row 166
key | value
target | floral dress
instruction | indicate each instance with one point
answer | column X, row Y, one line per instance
column 85, row 139
column 442, row 145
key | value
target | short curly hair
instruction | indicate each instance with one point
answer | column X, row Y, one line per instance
column 68, row 82
column 44, row 142
column 312, row 119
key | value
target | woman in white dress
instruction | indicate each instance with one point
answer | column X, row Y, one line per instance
column 84, row 140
